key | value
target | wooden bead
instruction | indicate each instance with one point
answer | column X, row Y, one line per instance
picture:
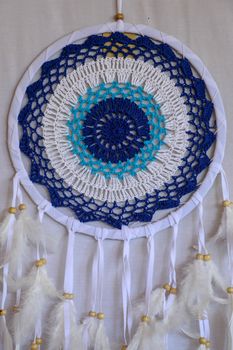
column 227, row 203
column 167, row 287
column 22, row 206
column 100, row 316
column 12, row 210
column 119, row 16
column 145, row 319
column 41, row 262
column 39, row 341
column 173, row 290
column 15, row 308
column 34, row 346
column 68, row 296
column 207, row 257
column 124, row 347
column 3, row 312
column 92, row 314
column 200, row 256
column 202, row 341
column 230, row 290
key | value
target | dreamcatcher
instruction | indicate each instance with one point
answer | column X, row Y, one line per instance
column 122, row 126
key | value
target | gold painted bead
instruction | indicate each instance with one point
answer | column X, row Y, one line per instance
column 92, row 314
column 200, row 256
column 227, row 203
column 3, row 312
column 124, row 347
column 119, row 16
column 12, row 210
column 207, row 257
column 100, row 316
column 230, row 290
column 15, row 308
column 39, row 341
column 173, row 290
column 41, row 262
column 167, row 287
column 202, row 341
column 34, row 346
column 22, row 206
column 68, row 296
column 145, row 319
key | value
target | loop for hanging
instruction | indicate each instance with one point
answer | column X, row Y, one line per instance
column 119, row 15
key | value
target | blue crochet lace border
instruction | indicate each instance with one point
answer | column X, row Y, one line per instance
column 200, row 137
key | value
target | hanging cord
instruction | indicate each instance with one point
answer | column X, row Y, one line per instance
column 69, row 281
column 126, row 290
column 119, row 15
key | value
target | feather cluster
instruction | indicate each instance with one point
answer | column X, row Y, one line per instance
column 148, row 336
column 6, row 340
column 197, row 287
column 37, row 289
column 101, row 339
column 56, row 335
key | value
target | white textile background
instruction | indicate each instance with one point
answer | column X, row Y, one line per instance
column 206, row 26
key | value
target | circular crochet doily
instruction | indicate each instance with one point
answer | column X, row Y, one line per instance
column 117, row 127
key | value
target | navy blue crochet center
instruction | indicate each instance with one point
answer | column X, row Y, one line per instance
column 200, row 137
column 115, row 130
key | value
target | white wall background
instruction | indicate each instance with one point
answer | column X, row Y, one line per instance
column 206, row 26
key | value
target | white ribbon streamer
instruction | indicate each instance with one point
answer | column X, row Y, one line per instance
column 68, row 281
column 150, row 269
column 126, row 291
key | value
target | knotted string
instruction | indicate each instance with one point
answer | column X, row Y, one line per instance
column 126, row 289
column 69, row 280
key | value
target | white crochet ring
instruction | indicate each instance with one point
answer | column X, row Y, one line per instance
column 28, row 77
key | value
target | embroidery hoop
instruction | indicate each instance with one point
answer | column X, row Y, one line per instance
column 132, row 232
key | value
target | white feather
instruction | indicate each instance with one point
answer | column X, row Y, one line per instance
column 156, row 304
column 6, row 340
column 56, row 328
column 27, row 232
column 90, row 325
column 201, row 347
column 15, row 327
column 4, row 230
column 101, row 340
column 37, row 289
column 196, row 290
column 229, row 337
column 226, row 225
column 148, row 336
